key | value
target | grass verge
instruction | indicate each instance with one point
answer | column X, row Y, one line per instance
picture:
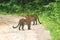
column 52, row 26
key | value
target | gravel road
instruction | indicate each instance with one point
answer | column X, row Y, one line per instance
column 37, row 32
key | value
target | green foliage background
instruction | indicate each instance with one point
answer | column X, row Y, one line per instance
column 48, row 10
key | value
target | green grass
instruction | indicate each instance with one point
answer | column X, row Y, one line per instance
column 52, row 26
column 13, row 14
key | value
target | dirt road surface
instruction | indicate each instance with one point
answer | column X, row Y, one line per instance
column 37, row 32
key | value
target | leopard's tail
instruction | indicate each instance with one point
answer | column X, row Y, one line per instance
column 16, row 26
